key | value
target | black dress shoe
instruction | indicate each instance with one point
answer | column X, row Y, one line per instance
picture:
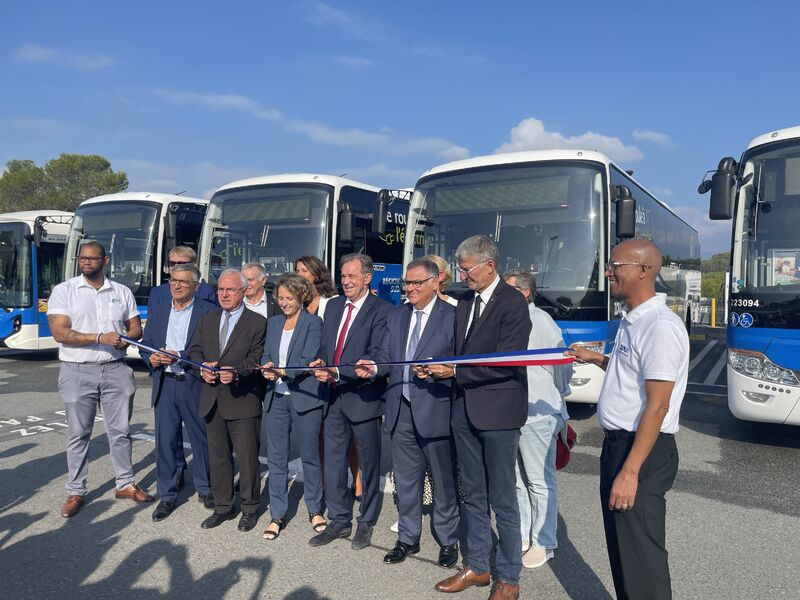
column 330, row 534
column 248, row 521
column 217, row 519
column 448, row 556
column 163, row 510
column 363, row 537
column 399, row 553
column 207, row 501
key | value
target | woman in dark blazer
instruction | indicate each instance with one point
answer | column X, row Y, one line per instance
column 293, row 400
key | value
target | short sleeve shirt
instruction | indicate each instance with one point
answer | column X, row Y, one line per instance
column 651, row 343
column 92, row 311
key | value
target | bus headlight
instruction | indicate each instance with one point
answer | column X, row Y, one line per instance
column 758, row 366
column 593, row 346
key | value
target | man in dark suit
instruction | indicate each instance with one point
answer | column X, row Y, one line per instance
column 489, row 406
column 353, row 328
column 232, row 339
column 181, row 255
column 418, row 412
column 176, row 388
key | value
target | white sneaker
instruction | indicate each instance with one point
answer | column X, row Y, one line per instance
column 536, row 557
column 395, row 527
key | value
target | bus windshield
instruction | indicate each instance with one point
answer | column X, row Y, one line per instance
column 127, row 230
column 16, row 290
column 271, row 225
column 768, row 221
column 545, row 218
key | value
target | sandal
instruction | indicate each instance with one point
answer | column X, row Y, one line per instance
column 271, row 534
column 319, row 525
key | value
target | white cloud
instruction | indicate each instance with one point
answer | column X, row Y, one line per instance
column 354, row 62
column 382, row 174
column 656, row 137
column 531, row 134
column 40, row 125
column 382, row 141
column 31, row 53
column 715, row 236
column 662, row 192
column 197, row 179
column 325, row 15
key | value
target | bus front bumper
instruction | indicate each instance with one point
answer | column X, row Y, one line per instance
column 755, row 400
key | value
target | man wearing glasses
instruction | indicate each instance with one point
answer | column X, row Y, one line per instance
column 638, row 410
column 230, row 401
column 418, row 412
column 490, row 405
column 181, row 255
column 87, row 314
column 176, row 389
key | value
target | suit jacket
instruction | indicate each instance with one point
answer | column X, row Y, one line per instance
column 362, row 398
column 496, row 397
column 160, row 293
column 155, row 335
column 242, row 398
column 430, row 399
column 303, row 348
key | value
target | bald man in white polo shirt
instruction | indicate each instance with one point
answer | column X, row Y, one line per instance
column 638, row 410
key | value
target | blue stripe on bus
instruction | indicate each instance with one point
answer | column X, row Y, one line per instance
column 781, row 346
column 589, row 331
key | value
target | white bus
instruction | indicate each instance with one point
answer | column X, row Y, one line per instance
column 31, row 264
column 276, row 219
column 553, row 213
column 761, row 193
column 137, row 230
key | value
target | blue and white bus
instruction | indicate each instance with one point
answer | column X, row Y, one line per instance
column 31, row 264
column 557, row 214
column 137, row 230
column 276, row 219
column 761, row 193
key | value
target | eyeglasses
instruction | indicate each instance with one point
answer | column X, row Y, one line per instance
column 175, row 263
column 229, row 290
column 178, row 283
column 415, row 283
column 464, row 271
column 90, row 258
column 613, row 266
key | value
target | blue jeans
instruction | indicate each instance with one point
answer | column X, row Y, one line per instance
column 537, row 489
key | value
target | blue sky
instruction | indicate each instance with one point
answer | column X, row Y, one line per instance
column 192, row 95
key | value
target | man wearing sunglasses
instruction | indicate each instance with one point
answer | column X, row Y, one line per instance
column 638, row 408
column 181, row 255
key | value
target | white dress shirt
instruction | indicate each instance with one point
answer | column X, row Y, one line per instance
column 259, row 307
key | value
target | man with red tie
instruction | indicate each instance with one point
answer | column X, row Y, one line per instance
column 353, row 328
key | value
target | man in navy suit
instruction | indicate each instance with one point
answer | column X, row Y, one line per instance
column 418, row 412
column 181, row 255
column 490, row 404
column 353, row 328
column 176, row 389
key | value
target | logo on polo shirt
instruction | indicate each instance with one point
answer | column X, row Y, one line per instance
column 623, row 349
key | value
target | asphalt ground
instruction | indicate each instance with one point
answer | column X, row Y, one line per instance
column 732, row 526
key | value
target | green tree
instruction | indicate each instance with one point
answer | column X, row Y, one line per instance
column 717, row 263
column 61, row 184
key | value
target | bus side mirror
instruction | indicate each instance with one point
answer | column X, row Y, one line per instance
column 626, row 212
column 380, row 211
column 38, row 231
column 345, row 224
column 723, row 183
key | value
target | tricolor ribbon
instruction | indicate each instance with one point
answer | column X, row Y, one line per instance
column 518, row 358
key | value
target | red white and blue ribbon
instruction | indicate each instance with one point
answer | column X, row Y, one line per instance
column 518, row 358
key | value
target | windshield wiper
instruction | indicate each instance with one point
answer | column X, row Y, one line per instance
column 552, row 302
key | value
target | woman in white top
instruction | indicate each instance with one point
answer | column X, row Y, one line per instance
column 293, row 400
column 445, row 278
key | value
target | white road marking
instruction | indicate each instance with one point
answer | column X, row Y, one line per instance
column 712, row 376
column 702, row 354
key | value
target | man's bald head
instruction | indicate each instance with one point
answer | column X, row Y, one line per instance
column 640, row 251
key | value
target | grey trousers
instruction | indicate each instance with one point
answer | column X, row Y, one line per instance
column 82, row 386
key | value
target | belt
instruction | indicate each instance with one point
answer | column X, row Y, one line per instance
column 175, row 376
column 622, row 434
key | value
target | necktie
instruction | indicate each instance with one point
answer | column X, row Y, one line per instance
column 411, row 351
column 223, row 333
column 476, row 313
column 337, row 354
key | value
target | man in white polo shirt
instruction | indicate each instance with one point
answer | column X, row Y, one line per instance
column 638, row 410
column 87, row 314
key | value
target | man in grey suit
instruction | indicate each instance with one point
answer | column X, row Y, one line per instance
column 230, row 401
column 418, row 412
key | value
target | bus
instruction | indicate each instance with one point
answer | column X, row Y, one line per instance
column 137, row 230
column 275, row 219
column 31, row 264
column 761, row 194
column 557, row 214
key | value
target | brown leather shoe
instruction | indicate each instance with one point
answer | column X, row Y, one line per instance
column 465, row 578
column 133, row 492
column 502, row 590
column 71, row 506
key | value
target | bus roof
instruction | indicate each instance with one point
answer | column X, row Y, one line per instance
column 331, row 180
column 775, row 136
column 30, row 215
column 146, row 196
